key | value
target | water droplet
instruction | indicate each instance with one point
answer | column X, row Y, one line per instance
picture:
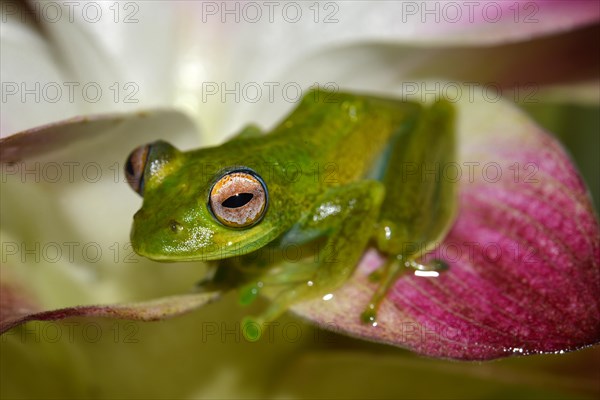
column 351, row 110
column 427, row 274
column 388, row 232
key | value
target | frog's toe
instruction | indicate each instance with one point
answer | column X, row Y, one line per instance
column 376, row 275
column 252, row 328
column 436, row 265
column 369, row 315
column 249, row 293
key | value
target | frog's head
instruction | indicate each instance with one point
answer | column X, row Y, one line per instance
column 195, row 213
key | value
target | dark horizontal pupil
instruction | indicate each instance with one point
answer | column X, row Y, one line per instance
column 240, row 199
column 129, row 167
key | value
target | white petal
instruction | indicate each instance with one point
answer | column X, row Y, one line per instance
column 67, row 210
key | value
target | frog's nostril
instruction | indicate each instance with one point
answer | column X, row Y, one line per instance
column 175, row 226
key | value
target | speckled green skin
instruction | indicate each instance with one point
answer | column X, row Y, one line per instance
column 331, row 169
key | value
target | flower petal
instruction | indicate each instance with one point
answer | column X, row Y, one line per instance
column 13, row 312
column 524, row 255
column 27, row 64
column 515, row 71
column 504, row 21
column 62, row 60
column 63, row 194
column 202, row 46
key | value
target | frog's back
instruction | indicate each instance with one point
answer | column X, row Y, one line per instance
column 329, row 139
column 343, row 135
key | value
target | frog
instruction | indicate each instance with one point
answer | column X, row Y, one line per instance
column 341, row 173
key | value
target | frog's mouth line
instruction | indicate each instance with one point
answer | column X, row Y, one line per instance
column 210, row 253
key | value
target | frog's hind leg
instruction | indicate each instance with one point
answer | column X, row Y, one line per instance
column 347, row 215
column 420, row 202
column 385, row 276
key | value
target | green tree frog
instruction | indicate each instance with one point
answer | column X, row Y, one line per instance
column 341, row 172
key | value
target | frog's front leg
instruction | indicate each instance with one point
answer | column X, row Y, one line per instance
column 347, row 215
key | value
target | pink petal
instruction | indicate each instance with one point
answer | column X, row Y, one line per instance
column 506, row 21
column 16, row 309
column 524, row 258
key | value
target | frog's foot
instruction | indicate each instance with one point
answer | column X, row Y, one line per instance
column 252, row 327
column 388, row 274
column 282, row 278
column 249, row 292
column 287, row 283
column 432, row 268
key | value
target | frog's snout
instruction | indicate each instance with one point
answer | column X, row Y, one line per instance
column 152, row 237
column 141, row 220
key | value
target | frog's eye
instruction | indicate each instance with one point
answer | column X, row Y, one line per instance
column 238, row 199
column 135, row 166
